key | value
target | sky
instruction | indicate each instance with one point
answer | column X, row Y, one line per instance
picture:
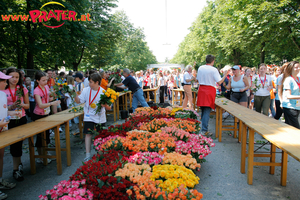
column 151, row 16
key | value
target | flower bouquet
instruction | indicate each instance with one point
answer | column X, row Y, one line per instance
column 109, row 97
column 181, row 160
column 117, row 79
column 131, row 170
column 256, row 86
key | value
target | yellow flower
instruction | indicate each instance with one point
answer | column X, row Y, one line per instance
column 103, row 91
column 117, row 93
column 112, row 100
column 58, row 84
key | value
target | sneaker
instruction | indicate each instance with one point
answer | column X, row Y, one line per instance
column 225, row 114
column 48, row 153
column 20, row 168
column 52, row 134
column 18, row 175
column 87, row 159
column 3, row 195
column 4, row 185
column 40, row 160
column 207, row 133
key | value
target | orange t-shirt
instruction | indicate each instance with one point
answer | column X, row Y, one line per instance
column 50, row 82
column 104, row 84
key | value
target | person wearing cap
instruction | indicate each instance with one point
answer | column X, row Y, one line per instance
column 4, row 120
column 239, row 85
column 207, row 77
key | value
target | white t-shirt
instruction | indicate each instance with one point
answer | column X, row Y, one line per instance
column 187, row 76
column 86, row 82
column 69, row 100
column 262, row 91
column 208, row 75
column 161, row 81
column 89, row 113
column 3, row 109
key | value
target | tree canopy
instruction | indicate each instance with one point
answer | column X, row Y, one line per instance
column 243, row 32
column 106, row 40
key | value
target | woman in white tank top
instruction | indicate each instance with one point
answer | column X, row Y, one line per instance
column 239, row 85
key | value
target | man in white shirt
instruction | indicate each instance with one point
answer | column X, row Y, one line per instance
column 207, row 77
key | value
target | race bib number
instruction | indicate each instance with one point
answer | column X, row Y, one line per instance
column 298, row 103
column 16, row 117
column 47, row 111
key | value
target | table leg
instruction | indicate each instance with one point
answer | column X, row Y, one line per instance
column 272, row 158
column 58, row 151
column 217, row 121
column 240, row 130
column 130, row 99
column 44, row 145
column 81, row 126
column 243, row 150
column 68, row 143
column 126, row 107
column 284, row 161
column 220, row 124
column 117, row 110
column 181, row 96
column 250, row 157
column 235, row 127
column 31, row 153
column 173, row 98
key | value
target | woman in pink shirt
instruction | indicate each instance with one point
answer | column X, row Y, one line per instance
column 17, row 100
column 42, row 108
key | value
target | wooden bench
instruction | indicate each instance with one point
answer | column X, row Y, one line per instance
column 280, row 135
column 29, row 130
column 148, row 93
column 181, row 93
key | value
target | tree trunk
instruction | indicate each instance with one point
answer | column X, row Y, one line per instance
column 75, row 64
column 294, row 39
column 19, row 53
column 262, row 53
column 236, row 56
column 30, row 62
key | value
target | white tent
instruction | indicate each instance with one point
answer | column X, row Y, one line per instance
column 168, row 66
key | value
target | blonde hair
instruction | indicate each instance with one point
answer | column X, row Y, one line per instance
column 70, row 80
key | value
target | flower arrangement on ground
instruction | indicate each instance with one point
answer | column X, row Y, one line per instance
column 181, row 160
column 173, row 176
column 68, row 190
column 131, row 170
column 150, row 158
column 142, row 141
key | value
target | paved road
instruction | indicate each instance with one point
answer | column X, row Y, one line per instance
column 220, row 176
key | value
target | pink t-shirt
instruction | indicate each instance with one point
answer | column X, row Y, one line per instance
column 44, row 96
column 10, row 99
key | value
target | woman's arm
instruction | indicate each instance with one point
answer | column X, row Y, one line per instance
column 290, row 96
column 25, row 105
column 44, row 105
column 246, row 84
column 228, row 87
column 109, row 84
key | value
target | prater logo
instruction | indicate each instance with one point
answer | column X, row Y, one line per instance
column 42, row 16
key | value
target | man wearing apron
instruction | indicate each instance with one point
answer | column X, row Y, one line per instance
column 207, row 77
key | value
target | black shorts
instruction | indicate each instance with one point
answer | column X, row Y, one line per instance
column 238, row 97
column 16, row 149
column 90, row 126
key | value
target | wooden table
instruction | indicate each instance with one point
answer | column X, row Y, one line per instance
column 181, row 93
column 116, row 109
column 280, row 135
column 148, row 93
column 29, row 130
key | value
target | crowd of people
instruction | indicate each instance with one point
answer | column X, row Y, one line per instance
column 272, row 90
